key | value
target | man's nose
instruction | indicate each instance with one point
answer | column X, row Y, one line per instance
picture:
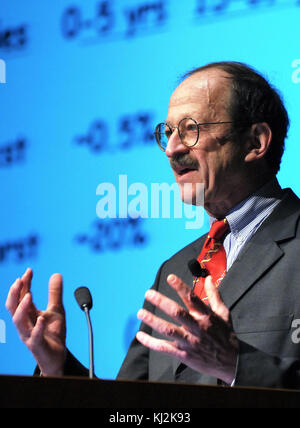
column 175, row 145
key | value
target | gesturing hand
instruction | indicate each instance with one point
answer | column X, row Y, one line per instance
column 43, row 332
column 204, row 340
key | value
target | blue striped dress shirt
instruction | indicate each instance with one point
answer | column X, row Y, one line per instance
column 245, row 219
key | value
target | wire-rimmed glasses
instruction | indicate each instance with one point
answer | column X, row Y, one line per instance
column 188, row 131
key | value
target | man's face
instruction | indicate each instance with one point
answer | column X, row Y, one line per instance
column 216, row 164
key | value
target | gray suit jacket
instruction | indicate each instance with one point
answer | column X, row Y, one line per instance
column 262, row 291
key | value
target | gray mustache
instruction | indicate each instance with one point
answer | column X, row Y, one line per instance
column 183, row 160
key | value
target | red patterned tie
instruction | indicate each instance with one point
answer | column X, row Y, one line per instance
column 212, row 258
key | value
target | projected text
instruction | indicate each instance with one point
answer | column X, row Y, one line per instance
column 129, row 131
column 109, row 20
column 114, row 235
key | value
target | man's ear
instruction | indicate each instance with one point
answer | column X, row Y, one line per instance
column 259, row 141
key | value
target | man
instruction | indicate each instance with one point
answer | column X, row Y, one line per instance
column 225, row 129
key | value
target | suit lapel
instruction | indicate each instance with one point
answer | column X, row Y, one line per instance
column 247, row 270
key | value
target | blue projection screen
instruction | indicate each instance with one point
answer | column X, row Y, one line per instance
column 82, row 85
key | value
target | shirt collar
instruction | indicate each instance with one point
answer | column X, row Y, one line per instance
column 251, row 208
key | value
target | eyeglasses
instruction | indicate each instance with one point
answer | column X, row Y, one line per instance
column 188, row 131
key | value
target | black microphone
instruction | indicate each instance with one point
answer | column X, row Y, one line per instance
column 196, row 269
column 85, row 302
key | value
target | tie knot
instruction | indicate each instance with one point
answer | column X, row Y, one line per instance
column 218, row 229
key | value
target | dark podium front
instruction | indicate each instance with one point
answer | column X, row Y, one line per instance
column 36, row 392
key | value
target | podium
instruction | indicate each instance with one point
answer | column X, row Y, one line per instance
column 70, row 392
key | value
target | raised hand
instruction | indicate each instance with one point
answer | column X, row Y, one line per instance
column 43, row 332
column 204, row 339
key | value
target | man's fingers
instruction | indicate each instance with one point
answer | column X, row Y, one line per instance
column 192, row 302
column 18, row 290
column 26, row 279
column 160, row 345
column 37, row 334
column 171, row 308
column 13, row 297
column 55, row 292
column 215, row 301
column 23, row 316
column 167, row 329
